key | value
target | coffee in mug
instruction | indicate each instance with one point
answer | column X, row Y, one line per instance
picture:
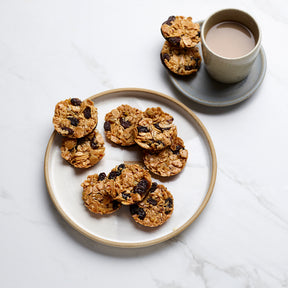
column 230, row 39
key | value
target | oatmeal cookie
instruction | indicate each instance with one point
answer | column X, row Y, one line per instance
column 158, row 115
column 169, row 161
column 83, row 152
column 131, row 183
column 181, row 32
column 75, row 118
column 155, row 209
column 95, row 194
column 120, row 123
column 156, row 131
column 180, row 61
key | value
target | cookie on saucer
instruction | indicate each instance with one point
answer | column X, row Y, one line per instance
column 180, row 61
column 181, row 32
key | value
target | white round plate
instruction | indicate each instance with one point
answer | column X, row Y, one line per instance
column 191, row 188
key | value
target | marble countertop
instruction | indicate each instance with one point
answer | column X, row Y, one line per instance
column 53, row 50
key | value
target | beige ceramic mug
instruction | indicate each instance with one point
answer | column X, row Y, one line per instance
column 224, row 69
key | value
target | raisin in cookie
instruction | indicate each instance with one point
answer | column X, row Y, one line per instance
column 181, row 32
column 169, row 161
column 120, row 123
column 83, row 152
column 131, row 183
column 75, row 118
column 156, row 131
column 180, row 61
column 155, row 209
column 95, row 194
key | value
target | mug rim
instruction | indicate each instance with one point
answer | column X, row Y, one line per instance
column 257, row 45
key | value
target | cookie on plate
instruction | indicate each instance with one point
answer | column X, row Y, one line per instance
column 155, row 209
column 181, row 32
column 83, row 152
column 131, row 183
column 158, row 115
column 156, row 131
column 95, row 194
column 120, row 123
column 180, row 61
column 75, row 118
column 169, row 161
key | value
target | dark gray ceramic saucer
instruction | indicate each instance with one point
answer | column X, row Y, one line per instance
column 202, row 89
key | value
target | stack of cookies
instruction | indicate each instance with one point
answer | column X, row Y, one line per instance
column 150, row 204
column 76, row 120
column 179, row 53
column 153, row 130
